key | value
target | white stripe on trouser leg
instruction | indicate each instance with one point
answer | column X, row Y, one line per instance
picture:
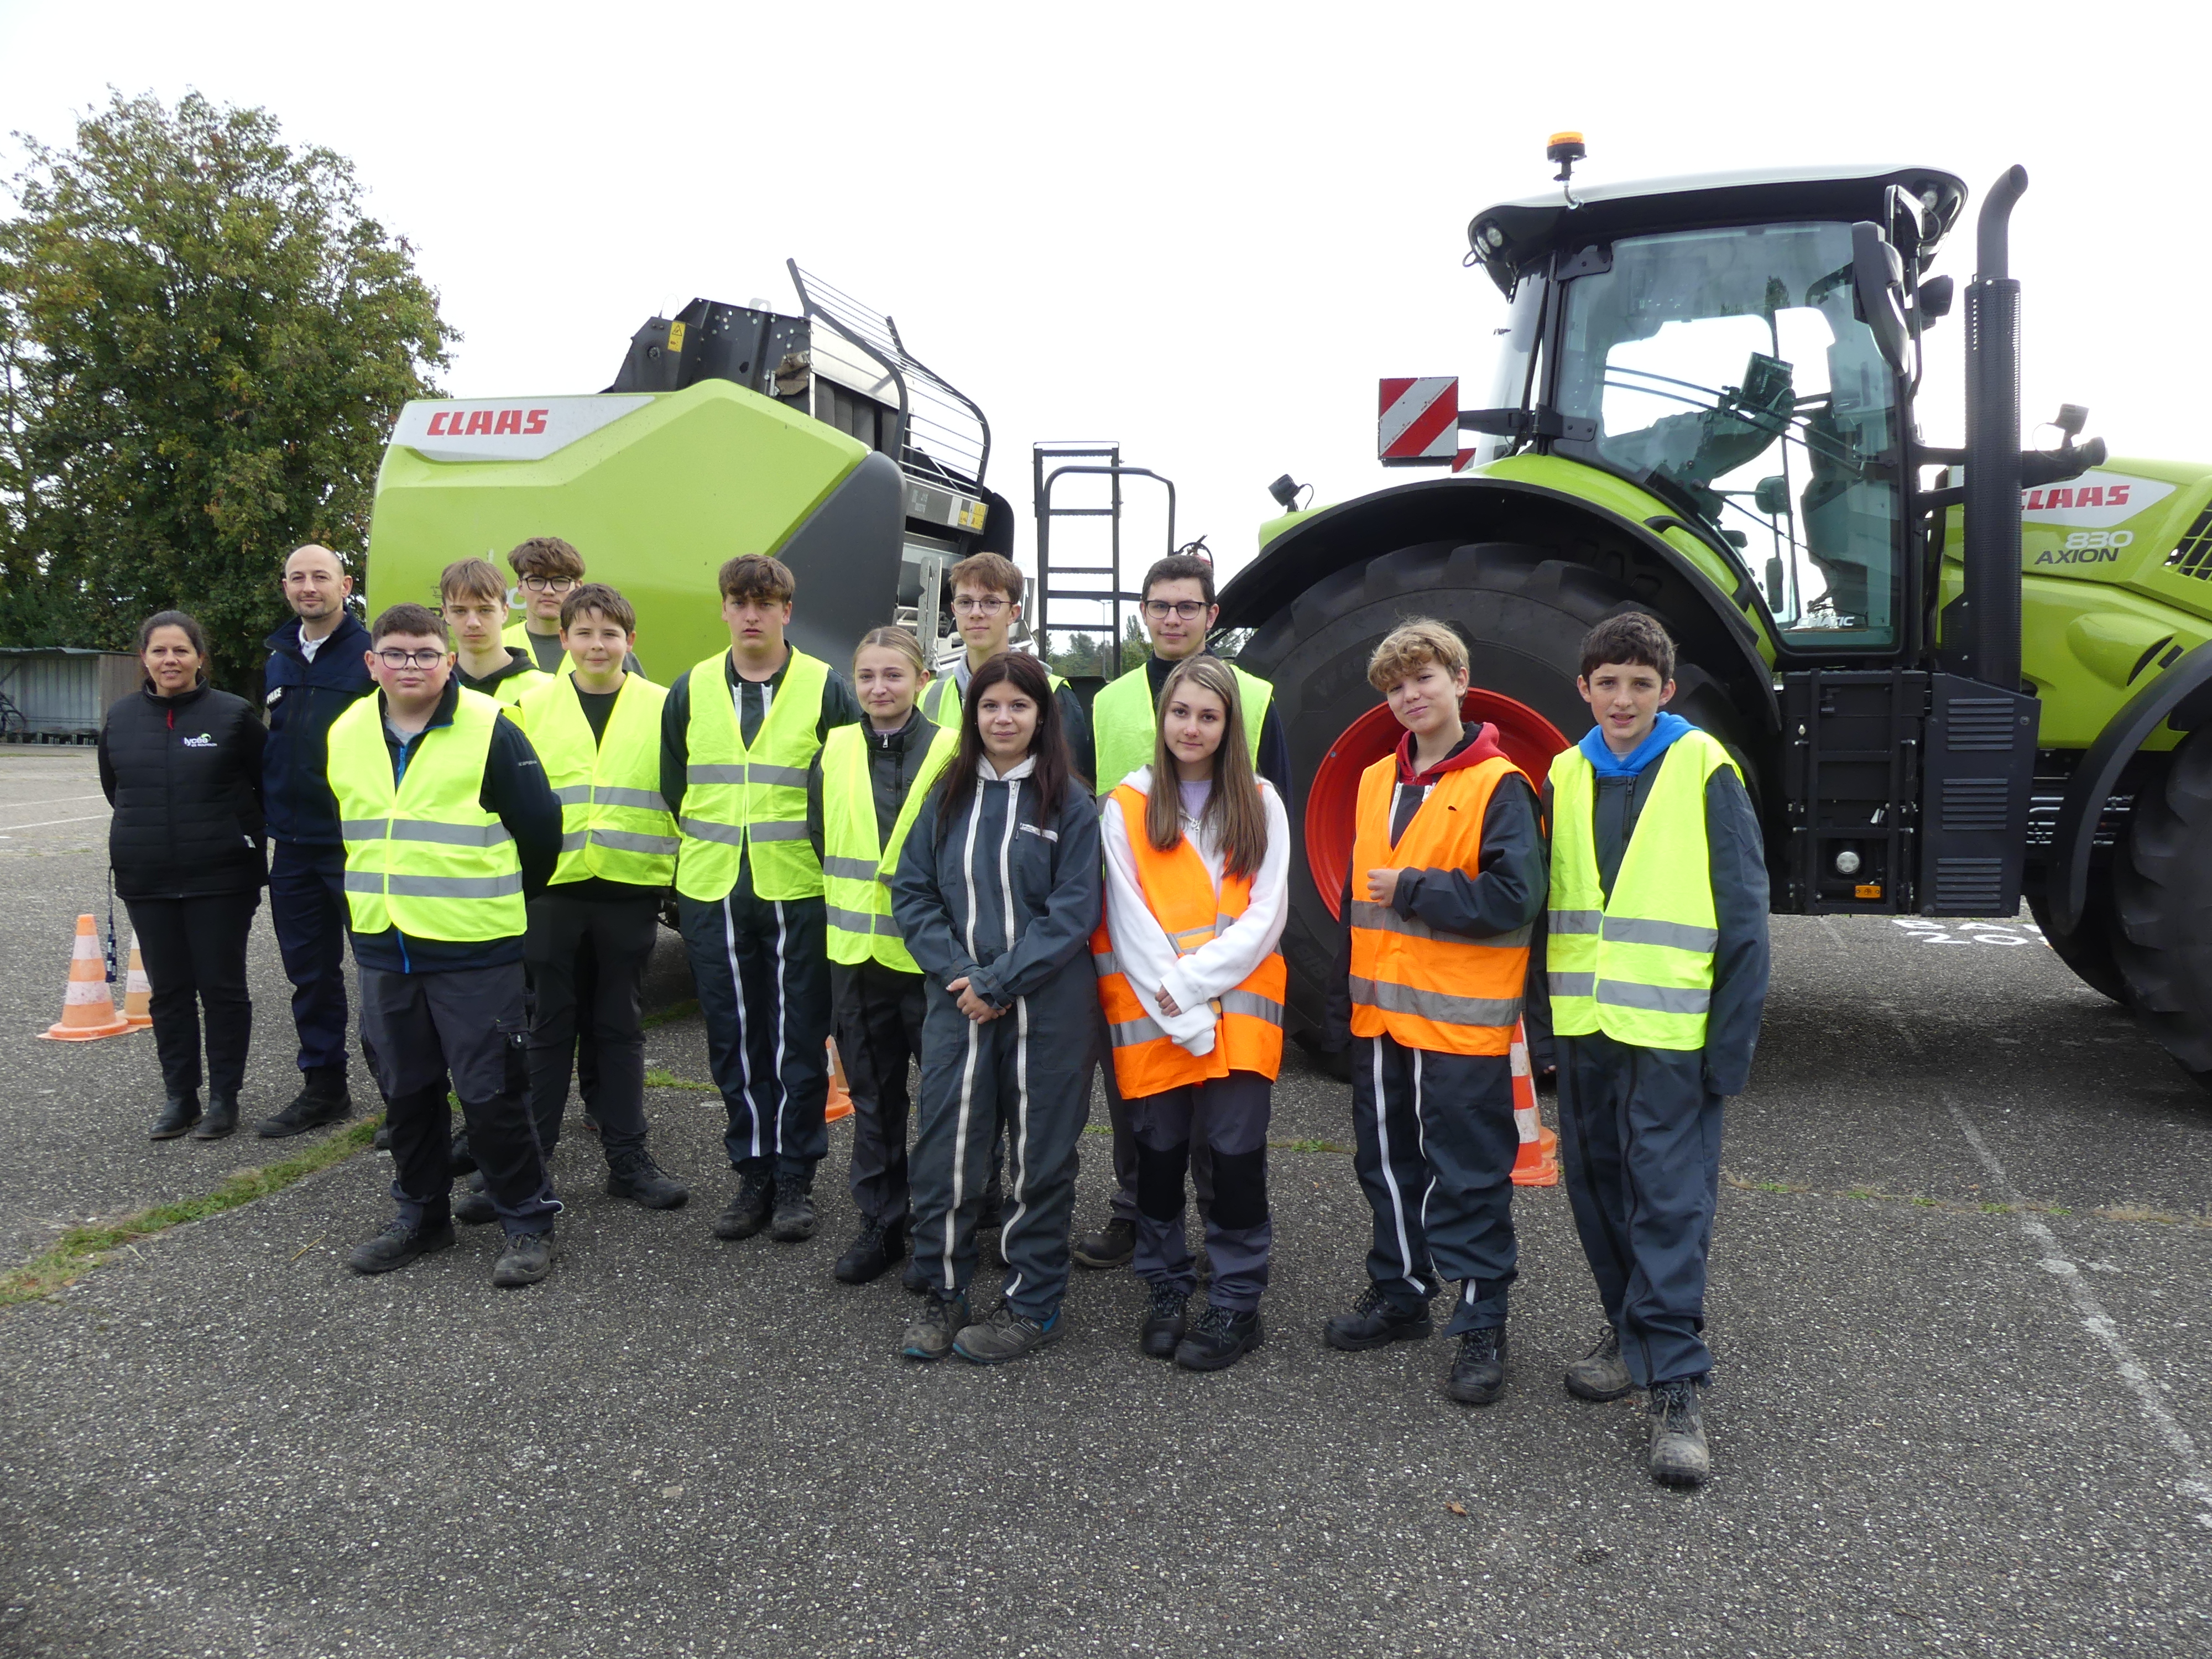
column 1421, row 1145
column 782, row 1024
column 1390, row 1181
column 745, row 1043
column 960, row 1150
column 1010, row 1228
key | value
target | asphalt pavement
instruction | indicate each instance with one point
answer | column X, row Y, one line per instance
column 1963, row 1403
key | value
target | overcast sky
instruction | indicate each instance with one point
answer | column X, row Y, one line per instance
column 1203, row 230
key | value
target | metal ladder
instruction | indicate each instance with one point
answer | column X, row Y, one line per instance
column 1061, row 584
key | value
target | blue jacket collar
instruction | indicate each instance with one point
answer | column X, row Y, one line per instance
column 1603, row 762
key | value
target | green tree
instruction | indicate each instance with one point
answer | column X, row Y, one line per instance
column 203, row 342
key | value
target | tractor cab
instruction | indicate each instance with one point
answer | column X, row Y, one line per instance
column 1708, row 340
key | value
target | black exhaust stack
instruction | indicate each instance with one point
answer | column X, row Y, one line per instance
column 1992, row 551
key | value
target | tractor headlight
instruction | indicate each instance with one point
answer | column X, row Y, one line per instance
column 1847, row 863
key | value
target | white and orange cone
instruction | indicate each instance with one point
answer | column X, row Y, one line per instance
column 137, row 992
column 87, row 1006
column 1538, row 1163
column 841, row 1098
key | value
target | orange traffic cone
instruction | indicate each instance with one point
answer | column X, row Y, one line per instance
column 137, row 992
column 87, row 1008
column 1538, row 1164
column 841, row 1098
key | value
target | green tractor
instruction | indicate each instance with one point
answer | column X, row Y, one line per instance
column 1954, row 678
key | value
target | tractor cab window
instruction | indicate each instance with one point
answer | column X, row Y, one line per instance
column 1726, row 373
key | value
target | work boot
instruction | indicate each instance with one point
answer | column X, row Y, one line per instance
column 930, row 1336
column 1003, row 1334
column 474, row 1207
column 633, row 1174
column 1217, row 1338
column 459, row 1160
column 1375, row 1321
column 1600, row 1375
column 323, row 1098
column 873, row 1252
column 528, row 1259
column 794, row 1210
column 747, row 1213
column 1163, row 1323
column 178, row 1114
column 1478, row 1374
column 222, row 1119
column 382, row 1141
column 399, row 1244
column 1111, row 1246
column 1679, row 1456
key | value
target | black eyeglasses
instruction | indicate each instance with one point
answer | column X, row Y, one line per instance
column 392, row 659
column 1186, row 609
column 549, row 584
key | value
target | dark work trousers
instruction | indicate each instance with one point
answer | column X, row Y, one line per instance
column 1437, row 1162
column 1026, row 1074
column 587, row 976
column 306, row 903
column 1125, row 1206
column 879, row 1017
column 1642, row 1140
column 619, row 936
column 194, row 951
column 469, row 1022
column 761, row 968
column 1229, row 1116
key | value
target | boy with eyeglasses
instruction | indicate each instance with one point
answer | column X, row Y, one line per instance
column 1179, row 611
column 987, row 601
column 548, row 569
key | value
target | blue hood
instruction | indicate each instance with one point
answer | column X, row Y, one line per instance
column 1603, row 762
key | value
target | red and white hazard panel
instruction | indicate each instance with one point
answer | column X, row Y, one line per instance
column 1420, row 420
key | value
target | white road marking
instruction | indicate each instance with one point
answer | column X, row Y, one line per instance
column 58, row 800
column 49, row 823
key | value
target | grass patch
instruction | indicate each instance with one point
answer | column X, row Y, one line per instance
column 81, row 1249
column 656, row 1078
column 682, row 1009
column 1098, row 1128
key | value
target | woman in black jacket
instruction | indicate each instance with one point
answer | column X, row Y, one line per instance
column 181, row 764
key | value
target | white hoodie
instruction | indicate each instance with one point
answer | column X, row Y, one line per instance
column 1141, row 947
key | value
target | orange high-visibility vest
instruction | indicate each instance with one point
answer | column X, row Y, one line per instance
column 1248, row 1021
column 1431, row 990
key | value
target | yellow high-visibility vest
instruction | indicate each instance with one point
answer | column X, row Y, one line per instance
column 740, row 801
column 517, row 640
column 422, row 855
column 941, row 703
column 856, row 870
column 614, row 824
column 1123, row 722
column 1638, row 967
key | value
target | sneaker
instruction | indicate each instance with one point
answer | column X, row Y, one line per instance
column 1375, row 1321
column 872, row 1253
column 747, row 1213
column 634, row 1176
column 222, row 1119
column 1217, row 1338
column 1478, row 1374
column 931, row 1335
column 794, row 1211
column 1003, row 1334
column 1679, row 1456
column 528, row 1259
column 474, row 1207
column 1163, row 1323
column 399, row 1244
column 1600, row 1375
column 322, row 1099
column 915, row 1277
column 178, row 1114
column 1111, row 1246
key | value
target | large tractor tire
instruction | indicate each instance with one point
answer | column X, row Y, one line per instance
column 2162, row 900
column 1522, row 613
column 2088, row 949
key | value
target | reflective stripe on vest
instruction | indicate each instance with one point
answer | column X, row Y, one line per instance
column 422, row 855
column 614, row 824
column 741, row 802
column 1123, row 724
column 856, row 870
column 1640, row 968
column 1428, row 989
column 941, row 700
column 1248, row 1021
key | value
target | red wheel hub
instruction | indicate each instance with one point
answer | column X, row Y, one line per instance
column 1332, row 803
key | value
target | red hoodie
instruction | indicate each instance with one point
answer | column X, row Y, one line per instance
column 1481, row 745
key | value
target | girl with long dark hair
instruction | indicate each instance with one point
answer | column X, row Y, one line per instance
column 996, row 896
column 1197, row 890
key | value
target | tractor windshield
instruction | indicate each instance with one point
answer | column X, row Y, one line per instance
column 1726, row 371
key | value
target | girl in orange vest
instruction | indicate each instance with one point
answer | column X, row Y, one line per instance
column 1197, row 890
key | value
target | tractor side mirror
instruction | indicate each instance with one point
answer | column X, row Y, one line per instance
column 1933, row 299
column 1878, row 285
